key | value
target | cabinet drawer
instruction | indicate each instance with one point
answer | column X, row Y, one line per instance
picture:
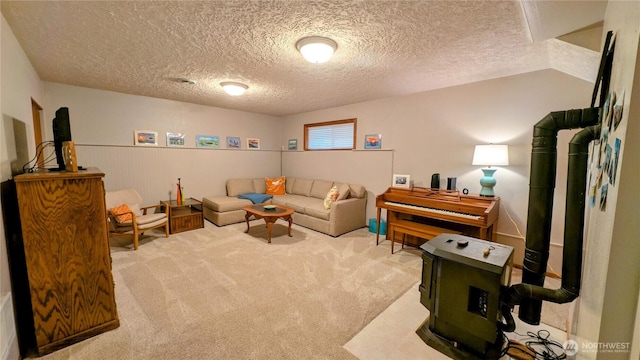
column 186, row 222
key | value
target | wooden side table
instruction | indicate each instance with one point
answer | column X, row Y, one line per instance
column 185, row 216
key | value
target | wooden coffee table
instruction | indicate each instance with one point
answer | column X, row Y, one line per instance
column 269, row 215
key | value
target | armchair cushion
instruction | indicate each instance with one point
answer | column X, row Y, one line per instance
column 122, row 213
column 143, row 220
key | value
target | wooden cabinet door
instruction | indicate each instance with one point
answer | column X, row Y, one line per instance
column 68, row 260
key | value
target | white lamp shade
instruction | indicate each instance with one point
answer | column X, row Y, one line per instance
column 233, row 88
column 316, row 49
column 488, row 155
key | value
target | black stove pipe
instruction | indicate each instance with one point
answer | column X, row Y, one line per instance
column 573, row 235
column 531, row 292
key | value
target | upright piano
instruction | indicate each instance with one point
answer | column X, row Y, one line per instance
column 429, row 212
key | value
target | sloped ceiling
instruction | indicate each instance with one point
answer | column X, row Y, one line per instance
column 385, row 48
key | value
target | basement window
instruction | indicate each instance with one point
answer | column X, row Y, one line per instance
column 330, row 135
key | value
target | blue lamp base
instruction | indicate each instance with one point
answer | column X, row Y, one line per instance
column 487, row 182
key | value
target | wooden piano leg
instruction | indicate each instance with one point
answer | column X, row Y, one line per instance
column 378, row 226
column 392, row 242
column 390, row 229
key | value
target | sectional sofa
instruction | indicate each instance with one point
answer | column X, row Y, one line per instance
column 305, row 196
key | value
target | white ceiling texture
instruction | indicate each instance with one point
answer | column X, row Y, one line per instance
column 385, row 48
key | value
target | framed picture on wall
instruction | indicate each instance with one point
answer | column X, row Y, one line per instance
column 233, row 142
column 145, row 138
column 293, row 144
column 175, row 139
column 373, row 141
column 208, row 141
column 401, row 181
column 253, row 143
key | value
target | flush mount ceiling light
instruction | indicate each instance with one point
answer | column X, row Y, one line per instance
column 234, row 88
column 316, row 49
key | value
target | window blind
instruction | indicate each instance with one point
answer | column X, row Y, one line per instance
column 331, row 137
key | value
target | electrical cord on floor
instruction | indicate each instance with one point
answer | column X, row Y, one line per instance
column 536, row 346
column 516, row 350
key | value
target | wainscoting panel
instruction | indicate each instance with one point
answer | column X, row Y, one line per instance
column 154, row 171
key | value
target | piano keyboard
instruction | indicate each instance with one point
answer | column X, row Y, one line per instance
column 435, row 211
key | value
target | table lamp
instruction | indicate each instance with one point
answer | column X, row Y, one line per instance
column 489, row 155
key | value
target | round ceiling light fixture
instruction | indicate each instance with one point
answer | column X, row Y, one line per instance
column 316, row 49
column 234, row 88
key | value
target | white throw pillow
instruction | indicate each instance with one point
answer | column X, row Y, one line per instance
column 331, row 197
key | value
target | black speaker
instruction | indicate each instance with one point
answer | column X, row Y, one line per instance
column 451, row 183
column 435, row 181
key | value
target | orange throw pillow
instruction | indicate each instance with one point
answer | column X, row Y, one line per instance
column 275, row 186
column 122, row 213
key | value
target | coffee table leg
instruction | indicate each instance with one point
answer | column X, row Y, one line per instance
column 269, row 225
column 290, row 220
column 246, row 217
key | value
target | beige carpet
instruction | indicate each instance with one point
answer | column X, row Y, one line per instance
column 218, row 293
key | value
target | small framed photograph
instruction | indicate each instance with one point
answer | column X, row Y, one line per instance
column 373, row 141
column 253, row 143
column 208, row 141
column 145, row 138
column 401, row 181
column 175, row 139
column 233, row 142
column 293, row 144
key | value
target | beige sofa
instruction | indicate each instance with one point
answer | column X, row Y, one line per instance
column 305, row 196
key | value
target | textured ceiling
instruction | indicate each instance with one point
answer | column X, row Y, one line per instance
column 385, row 48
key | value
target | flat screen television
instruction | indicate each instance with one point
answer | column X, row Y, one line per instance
column 61, row 133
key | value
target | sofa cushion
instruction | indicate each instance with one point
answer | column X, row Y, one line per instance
column 297, row 202
column 275, row 186
column 317, row 210
column 259, row 186
column 320, row 188
column 255, row 197
column 302, row 187
column 357, row 191
column 343, row 191
column 225, row 203
column 288, row 184
column 236, row 187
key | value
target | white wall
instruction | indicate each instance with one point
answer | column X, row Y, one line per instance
column 436, row 131
column 372, row 168
column 607, row 309
column 103, row 124
column 18, row 83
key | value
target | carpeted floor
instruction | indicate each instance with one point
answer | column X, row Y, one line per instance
column 218, row 293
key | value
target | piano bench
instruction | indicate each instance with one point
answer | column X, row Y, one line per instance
column 416, row 229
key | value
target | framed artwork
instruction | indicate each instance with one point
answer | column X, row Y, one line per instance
column 293, row 144
column 373, row 141
column 253, row 143
column 208, row 141
column 233, row 142
column 175, row 139
column 145, row 138
column 402, row 181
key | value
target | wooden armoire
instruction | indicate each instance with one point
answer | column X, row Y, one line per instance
column 66, row 256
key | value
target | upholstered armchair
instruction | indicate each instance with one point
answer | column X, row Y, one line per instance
column 127, row 216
